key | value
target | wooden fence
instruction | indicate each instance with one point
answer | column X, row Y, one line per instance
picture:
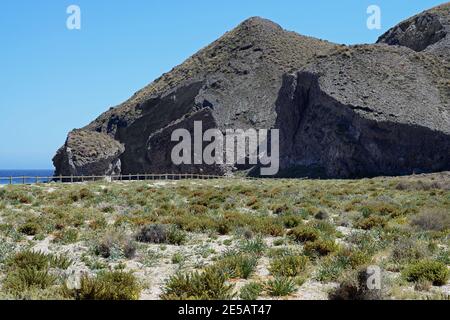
column 128, row 177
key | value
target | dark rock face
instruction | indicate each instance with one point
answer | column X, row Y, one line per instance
column 328, row 131
column 342, row 111
column 88, row 153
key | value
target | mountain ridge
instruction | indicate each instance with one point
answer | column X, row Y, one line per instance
column 255, row 75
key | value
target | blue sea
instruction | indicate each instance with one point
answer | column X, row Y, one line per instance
column 29, row 174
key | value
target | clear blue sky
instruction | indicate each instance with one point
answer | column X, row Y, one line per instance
column 53, row 80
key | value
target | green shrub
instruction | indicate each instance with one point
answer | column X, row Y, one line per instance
column 434, row 271
column 66, row 236
column 251, row 291
column 280, row 286
column 322, row 215
column 288, row 266
column 371, row 222
column 238, row 265
column 30, row 228
column 320, row 247
column 304, row 233
column 291, row 220
column 408, row 250
column 177, row 258
column 21, row 279
column 37, row 260
column 109, row 285
column 256, row 246
column 207, row 285
column 176, row 236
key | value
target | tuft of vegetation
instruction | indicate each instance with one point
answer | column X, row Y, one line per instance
column 320, row 247
column 207, row 285
column 427, row 270
column 280, row 286
column 288, row 266
column 238, row 265
column 108, row 285
column 304, row 233
column 157, row 233
column 432, row 220
column 251, row 291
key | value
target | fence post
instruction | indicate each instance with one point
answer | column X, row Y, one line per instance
column 23, row 180
column 37, row 179
column 10, row 180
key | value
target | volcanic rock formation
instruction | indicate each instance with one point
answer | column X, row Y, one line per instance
column 342, row 111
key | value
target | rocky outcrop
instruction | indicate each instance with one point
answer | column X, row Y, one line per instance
column 88, row 153
column 343, row 111
column 364, row 111
column 428, row 31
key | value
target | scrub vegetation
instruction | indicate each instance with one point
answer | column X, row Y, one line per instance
column 226, row 239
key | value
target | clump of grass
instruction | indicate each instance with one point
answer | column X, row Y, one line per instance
column 280, row 286
column 291, row 220
column 22, row 279
column 238, row 265
column 288, row 266
column 28, row 270
column 432, row 220
column 66, row 236
column 320, row 247
column 304, row 233
column 427, row 270
column 30, row 228
column 107, row 285
column 251, row 291
column 207, row 285
column 255, row 246
column 332, row 267
column 371, row 222
column 408, row 250
column 177, row 258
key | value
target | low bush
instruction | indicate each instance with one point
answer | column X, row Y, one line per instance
column 238, row 265
column 432, row 220
column 371, row 222
column 434, row 271
column 108, row 285
column 30, row 228
column 22, row 279
column 157, row 233
column 288, row 266
column 320, row 247
column 207, row 285
column 304, row 233
column 354, row 287
column 251, row 291
column 280, row 287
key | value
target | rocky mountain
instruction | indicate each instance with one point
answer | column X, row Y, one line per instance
column 342, row 111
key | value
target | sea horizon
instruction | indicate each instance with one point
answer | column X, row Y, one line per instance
column 18, row 174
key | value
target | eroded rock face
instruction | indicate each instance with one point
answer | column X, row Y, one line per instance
column 333, row 124
column 88, row 153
